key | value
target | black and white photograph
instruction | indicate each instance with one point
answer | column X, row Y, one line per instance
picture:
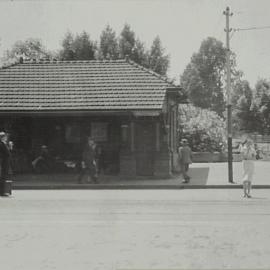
column 134, row 134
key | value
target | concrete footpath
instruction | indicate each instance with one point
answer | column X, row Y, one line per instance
column 203, row 175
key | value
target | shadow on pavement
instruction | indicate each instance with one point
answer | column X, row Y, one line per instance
column 199, row 176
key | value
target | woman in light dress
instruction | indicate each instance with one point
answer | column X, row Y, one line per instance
column 249, row 155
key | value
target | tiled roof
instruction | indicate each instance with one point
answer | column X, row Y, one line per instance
column 80, row 85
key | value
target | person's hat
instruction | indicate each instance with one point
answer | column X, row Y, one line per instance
column 184, row 141
column 2, row 134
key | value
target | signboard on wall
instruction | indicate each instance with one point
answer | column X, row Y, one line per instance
column 99, row 131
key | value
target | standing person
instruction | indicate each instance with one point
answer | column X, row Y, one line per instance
column 5, row 157
column 99, row 159
column 249, row 155
column 185, row 158
column 89, row 162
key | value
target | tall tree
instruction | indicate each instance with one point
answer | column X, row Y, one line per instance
column 261, row 106
column 203, row 76
column 158, row 61
column 108, row 46
column 140, row 55
column 67, row 52
column 79, row 48
column 127, row 42
column 242, row 98
column 132, row 47
column 84, row 47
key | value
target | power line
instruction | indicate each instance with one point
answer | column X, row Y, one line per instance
column 252, row 28
column 248, row 29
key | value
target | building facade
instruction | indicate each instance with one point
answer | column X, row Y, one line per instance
column 130, row 111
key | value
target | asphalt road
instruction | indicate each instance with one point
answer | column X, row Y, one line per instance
column 135, row 229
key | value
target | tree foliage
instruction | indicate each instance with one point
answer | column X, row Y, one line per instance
column 112, row 47
column 155, row 58
column 158, row 61
column 205, row 130
column 251, row 107
column 261, row 107
column 108, row 45
column 84, row 47
column 131, row 46
column 80, row 47
column 203, row 76
column 140, row 54
column 31, row 48
column 67, row 52
column 242, row 100
column 127, row 42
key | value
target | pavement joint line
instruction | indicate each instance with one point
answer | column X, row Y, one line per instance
column 117, row 186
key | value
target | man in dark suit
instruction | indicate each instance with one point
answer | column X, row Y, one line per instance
column 89, row 162
column 5, row 159
column 185, row 159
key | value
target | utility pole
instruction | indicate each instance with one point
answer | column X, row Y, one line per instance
column 227, row 13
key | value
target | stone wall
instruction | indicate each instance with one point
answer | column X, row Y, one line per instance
column 214, row 157
column 162, row 165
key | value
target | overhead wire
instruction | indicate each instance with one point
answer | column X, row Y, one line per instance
column 252, row 28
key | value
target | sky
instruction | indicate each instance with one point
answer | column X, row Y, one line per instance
column 181, row 24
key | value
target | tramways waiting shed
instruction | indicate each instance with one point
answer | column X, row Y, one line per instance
column 130, row 111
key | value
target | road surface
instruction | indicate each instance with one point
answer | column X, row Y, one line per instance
column 135, row 229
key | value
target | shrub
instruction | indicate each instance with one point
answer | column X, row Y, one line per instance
column 204, row 129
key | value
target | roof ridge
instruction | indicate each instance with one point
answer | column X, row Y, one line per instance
column 150, row 71
column 57, row 61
